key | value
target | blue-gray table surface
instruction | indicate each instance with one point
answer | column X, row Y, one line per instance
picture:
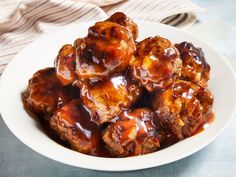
column 217, row 27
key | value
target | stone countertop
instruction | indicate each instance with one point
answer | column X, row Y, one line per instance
column 217, row 27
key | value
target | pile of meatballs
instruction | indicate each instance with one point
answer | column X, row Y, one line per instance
column 113, row 96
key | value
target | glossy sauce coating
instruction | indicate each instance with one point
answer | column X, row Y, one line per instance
column 133, row 133
column 195, row 68
column 45, row 94
column 121, row 19
column 72, row 123
column 106, row 99
column 183, row 107
column 107, row 49
column 156, row 64
column 209, row 120
column 65, row 65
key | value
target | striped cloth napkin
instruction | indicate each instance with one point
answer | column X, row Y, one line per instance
column 21, row 22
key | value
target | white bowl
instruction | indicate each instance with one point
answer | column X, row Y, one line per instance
column 42, row 52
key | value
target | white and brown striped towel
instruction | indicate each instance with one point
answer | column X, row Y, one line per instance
column 22, row 21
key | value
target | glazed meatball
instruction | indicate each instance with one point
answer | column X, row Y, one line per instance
column 72, row 123
column 45, row 94
column 195, row 68
column 183, row 107
column 107, row 98
column 125, row 21
column 157, row 63
column 107, row 49
column 133, row 133
column 65, row 65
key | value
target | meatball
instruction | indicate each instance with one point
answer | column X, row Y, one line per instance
column 45, row 94
column 183, row 107
column 195, row 68
column 65, row 65
column 157, row 63
column 133, row 133
column 72, row 123
column 107, row 49
column 107, row 98
column 125, row 21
